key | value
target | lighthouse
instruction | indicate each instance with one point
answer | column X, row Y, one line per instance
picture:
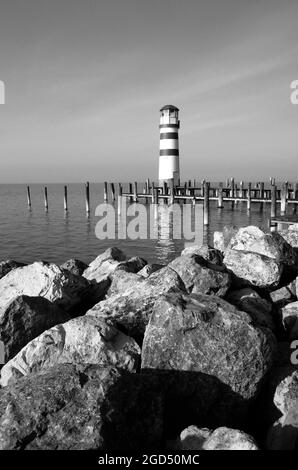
column 169, row 125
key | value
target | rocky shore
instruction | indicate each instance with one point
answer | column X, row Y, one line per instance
column 122, row 355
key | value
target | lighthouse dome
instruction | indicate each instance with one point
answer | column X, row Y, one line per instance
column 169, row 106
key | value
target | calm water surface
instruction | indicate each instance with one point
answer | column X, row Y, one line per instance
column 54, row 236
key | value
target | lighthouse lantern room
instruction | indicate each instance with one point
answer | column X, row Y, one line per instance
column 169, row 144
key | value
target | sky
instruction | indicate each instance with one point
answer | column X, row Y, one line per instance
column 85, row 79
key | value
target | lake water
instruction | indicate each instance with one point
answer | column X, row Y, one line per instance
column 55, row 236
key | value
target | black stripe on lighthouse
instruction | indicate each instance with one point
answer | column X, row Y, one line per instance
column 169, row 135
column 169, row 152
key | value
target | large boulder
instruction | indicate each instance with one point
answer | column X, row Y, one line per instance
column 222, row 239
column 46, row 280
column 284, row 294
column 200, row 333
column 24, row 318
column 206, row 252
column 249, row 301
column 123, row 281
column 258, row 258
column 83, row 340
column 290, row 319
column 9, row 265
column 286, row 394
column 229, row 439
column 101, row 268
column 291, row 237
column 74, row 266
column 193, row 438
column 150, row 269
column 130, row 310
column 197, row 276
column 132, row 265
column 81, row 407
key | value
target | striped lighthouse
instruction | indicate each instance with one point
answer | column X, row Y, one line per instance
column 169, row 144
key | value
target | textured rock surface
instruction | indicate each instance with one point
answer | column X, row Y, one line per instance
column 252, row 303
column 208, row 335
column 206, row 252
column 284, row 294
column 222, row 239
column 193, row 438
column 101, row 268
column 44, row 280
column 253, row 268
column 291, row 237
column 198, row 278
column 290, row 319
column 81, row 407
column 283, row 435
column 150, row 269
column 286, row 394
column 130, row 311
column 132, row 265
column 123, row 281
column 9, row 265
column 24, row 318
column 229, row 439
column 81, row 340
column 74, row 266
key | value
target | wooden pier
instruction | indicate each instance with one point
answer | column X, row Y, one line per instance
column 230, row 194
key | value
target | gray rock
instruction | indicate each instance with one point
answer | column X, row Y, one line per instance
column 208, row 335
column 290, row 319
column 83, row 340
column 101, row 268
column 286, row 393
column 150, row 269
column 130, row 310
column 193, row 438
column 198, row 278
column 123, row 281
column 284, row 294
column 46, row 280
column 283, row 435
column 253, row 269
column 291, row 237
column 222, row 239
column 9, row 265
column 229, row 439
column 81, row 407
column 206, row 252
column 132, row 265
column 24, row 318
column 74, row 266
column 249, row 301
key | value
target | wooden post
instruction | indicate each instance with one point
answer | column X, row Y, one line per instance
column 130, row 192
column 120, row 189
column 165, row 188
column 241, row 189
column 155, row 195
column 29, row 198
column 135, row 192
column 273, row 201
column 113, row 192
column 202, row 187
column 87, row 197
column 65, row 199
column 206, row 203
column 295, row 197
column 248, row 196
column 220, row 196
column 46, row 202
column 232, row 192
column 152, row 192
column 105, row 194
column 172, row 191
column 147, row 186
column 283, row 198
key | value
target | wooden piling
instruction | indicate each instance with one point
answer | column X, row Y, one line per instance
column 105, row 193
column 113, row 192
column 206, row 203
column 248, row 196
column 172, row 191
column 283, row 198
column 130, row 192
column 135, row 192
column 241, row 189
column 28, row 197
column 87, row 197
column 65, row 202
column 232, row 192
column 147, row 186
column 155, row 196
column 165, row 188
column 273, row 201
column 120, row 189
column 46, row 202
column 152, row 193
column 220, row 196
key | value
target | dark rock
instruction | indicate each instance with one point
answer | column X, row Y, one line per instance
column 208, row 335
column 290, row 319
column 229, row 439
column 133, row 265
column 9, row 265
column 249, row 301
column 74, row 266
column 24, row 318
column 84, row 407
column 130, row 311
column 206, row 252
column 198, row 278
column 283, row 435
column 193, row 438
column 150, row 269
